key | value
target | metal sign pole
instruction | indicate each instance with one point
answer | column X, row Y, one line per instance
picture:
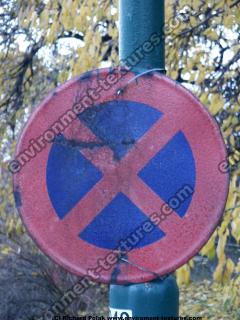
column 139, row 21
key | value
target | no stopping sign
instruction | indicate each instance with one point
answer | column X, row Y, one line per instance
column 120, row 185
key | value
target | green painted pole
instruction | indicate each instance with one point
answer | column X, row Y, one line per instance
column 159, row 298
column 139, row 20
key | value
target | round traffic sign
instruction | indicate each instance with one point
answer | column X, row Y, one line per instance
column 119, row 179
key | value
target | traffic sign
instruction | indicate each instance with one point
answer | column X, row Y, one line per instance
column 119, row 179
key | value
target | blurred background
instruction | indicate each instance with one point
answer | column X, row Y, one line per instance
column 43, row 43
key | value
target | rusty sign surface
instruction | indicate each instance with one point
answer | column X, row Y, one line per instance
column 118, row 179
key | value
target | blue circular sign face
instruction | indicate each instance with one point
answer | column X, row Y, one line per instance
column 118, row 126
column 121, row 181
